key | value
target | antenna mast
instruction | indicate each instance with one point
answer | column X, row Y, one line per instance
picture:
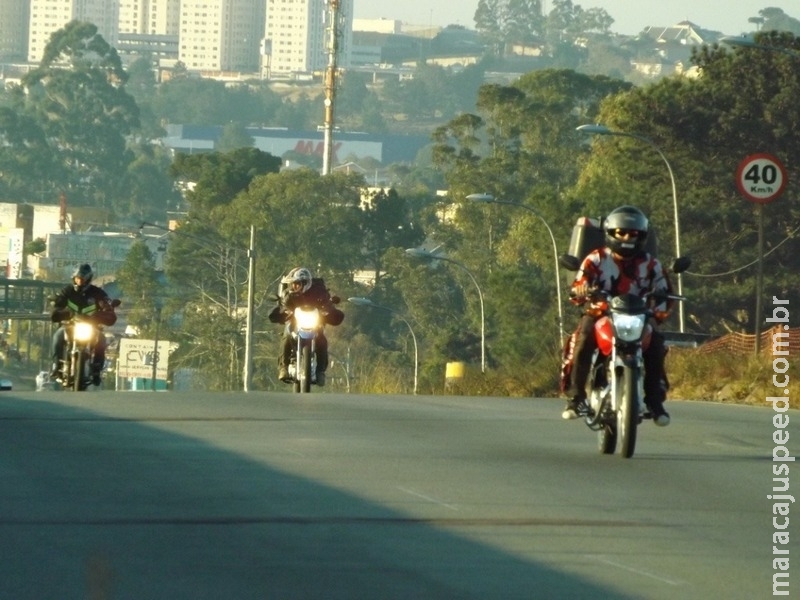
column 331, row 47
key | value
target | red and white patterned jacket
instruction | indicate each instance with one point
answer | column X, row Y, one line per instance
column 616, row 275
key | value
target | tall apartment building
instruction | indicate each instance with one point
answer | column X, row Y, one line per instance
column 221, row 35
column 296, row 36
column 150, row 17
column 13, row 30
column 48, row 16
column 149, row 28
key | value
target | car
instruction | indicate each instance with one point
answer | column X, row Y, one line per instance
column 6, row 385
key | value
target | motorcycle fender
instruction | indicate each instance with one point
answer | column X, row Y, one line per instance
column 604, row 335
column 306, row 334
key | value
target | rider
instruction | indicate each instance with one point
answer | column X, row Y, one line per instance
column 300, row 288
column 84, row 298
column 622, row 266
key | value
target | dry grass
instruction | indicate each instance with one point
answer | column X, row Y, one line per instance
column 726, row 377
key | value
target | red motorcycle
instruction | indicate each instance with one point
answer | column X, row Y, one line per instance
column 615, row 402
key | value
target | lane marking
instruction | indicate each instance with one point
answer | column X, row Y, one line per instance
column 637, row 571
column 428, row 498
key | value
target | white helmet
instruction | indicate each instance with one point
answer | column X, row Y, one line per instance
column 300, row 276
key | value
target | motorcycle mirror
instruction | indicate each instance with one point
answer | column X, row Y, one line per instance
column 569, row 262
column 681, row 264
column 336, row 299
column 116, row 302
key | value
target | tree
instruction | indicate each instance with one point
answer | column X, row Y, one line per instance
column 138, row 281
column 234, row 136
column 220, row 176
column 84, row 112
column 743, row 104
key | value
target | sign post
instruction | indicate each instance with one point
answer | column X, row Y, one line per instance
column 760, row 178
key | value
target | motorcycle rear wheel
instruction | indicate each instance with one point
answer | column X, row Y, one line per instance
column 628, row 410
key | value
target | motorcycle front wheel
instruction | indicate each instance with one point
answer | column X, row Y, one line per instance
column 607, row 438
column 628, row 410
column 78, row 376
column 305, row 370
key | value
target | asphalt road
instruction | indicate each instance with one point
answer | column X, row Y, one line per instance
column 275, row 496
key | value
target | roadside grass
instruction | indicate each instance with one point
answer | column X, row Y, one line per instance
column 730, row 378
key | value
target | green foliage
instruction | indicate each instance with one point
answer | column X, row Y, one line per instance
column 218, row 177
column 743, row 104
column 138, row 281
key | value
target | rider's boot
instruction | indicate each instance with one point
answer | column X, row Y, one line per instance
column 575, row 407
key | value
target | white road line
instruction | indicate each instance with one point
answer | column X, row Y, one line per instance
column 637, row 571
column 428, row 498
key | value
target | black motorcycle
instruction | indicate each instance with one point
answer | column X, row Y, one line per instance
column 81, row 337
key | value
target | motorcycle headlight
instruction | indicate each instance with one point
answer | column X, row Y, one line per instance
column 83, row 332
column 628, row 328
column 306, row 319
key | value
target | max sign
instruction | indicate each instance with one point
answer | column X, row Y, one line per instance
column 136, row 358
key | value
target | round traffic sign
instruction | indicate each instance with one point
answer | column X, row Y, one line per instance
column 761, row 178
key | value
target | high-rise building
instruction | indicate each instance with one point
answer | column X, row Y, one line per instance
column 48, row 16
column 221, row 35
column 150, row 17
column 13, row 30
column 297, row 35
column 149, row 28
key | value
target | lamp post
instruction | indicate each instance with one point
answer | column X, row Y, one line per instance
column 603, row 130
column 489, row 199
column 420, row 253
column 247, row 375
column 367, row 302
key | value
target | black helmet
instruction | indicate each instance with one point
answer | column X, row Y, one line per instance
column 626, row 230
column 82, row 277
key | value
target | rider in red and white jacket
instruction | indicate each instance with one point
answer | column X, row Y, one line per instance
column 621, row 267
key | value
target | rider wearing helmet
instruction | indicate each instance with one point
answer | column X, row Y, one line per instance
column 84, row 298
column 621, row 266
column 299, row 287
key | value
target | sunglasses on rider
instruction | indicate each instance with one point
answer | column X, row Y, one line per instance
column 629, row 233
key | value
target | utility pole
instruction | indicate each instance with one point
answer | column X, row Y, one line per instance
column 331, row 47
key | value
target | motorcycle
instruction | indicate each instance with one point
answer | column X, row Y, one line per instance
column 304, row 325
column 615, row 402
column 81, row 336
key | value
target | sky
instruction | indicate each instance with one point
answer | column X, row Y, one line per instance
column 630, row 16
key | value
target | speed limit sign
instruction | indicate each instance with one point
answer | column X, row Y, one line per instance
column 761, row 178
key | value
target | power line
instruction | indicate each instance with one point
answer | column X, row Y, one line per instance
column 750, row 264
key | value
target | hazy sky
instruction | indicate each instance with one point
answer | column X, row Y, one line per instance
column 630, row 16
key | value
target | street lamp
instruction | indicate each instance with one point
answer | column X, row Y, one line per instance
column 603, row 130
column 489, row 199
column 420, row 253
column 251, row 278
column 367, row 302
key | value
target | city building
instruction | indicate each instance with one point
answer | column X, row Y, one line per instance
column 296, row 35
column 13, row 30
column 48, row 16
column 221, row 35
column 149, row 28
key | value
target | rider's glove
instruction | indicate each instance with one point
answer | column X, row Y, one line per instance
column 580, row 290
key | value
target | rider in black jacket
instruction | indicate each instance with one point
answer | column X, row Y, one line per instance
column 300, row 288
column 81, row 297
